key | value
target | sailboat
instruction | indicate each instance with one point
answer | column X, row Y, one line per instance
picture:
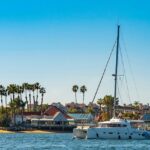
column 115, row 128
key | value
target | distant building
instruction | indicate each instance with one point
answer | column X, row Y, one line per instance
column 127, row 109
column 26, row 117
column 146, row 118
column 74, row 106
column 53, row 116
column 82, row 118
column 82, row 108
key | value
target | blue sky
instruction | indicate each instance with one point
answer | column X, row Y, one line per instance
column 64, row 42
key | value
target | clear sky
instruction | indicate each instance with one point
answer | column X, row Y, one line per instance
column 60, row 43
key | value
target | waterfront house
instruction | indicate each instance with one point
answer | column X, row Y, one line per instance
column 47, row 121
column 54, row 118
column 82, row 118
column 53, row 113
column 26, row 117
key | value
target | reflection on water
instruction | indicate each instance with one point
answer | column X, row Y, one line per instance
column 65, row 142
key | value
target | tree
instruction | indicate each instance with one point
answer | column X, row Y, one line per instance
column 25, row 89
column 37, row 88
column 136, row 104
column 44, row 107
column 100, row 103
column 75, row 89
column 42, row 92
column 83, row 89
column 29, row 87
column 13, row 110
column 17, row 106
column 34, row 101
column 5, row 118
column 105, row 116
column 2, row 90
column 19, row 91
column 16, row 103
column 90, row 110
column 107, row 101
column 5, row 93
column 22, row 105
column 11, row 91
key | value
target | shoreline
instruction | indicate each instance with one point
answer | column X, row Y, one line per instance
column 32, row 132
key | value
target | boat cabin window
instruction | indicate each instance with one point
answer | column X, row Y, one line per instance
column 139, row 125
column 104, row 125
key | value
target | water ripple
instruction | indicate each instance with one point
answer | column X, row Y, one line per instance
column 65, row 142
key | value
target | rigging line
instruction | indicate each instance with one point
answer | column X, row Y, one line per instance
column 120, row 87
column 119, row 94
column 130, row 67
column 125, row 75
column 104, row 72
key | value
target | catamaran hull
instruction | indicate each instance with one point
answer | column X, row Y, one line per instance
column 124, row 134
column 80, row 133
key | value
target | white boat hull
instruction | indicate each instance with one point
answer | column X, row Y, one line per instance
column 114, row 129
column 80, row 133
column 110, row 133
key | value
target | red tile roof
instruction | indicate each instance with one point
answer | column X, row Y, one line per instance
column 52, row 110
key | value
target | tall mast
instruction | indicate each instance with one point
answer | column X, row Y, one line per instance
column 116, row 70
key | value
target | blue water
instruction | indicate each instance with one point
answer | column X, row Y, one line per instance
column 22, row 141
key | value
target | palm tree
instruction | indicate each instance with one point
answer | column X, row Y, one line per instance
column 12, row 105
column 29, row 89
column 11, row 91
column 108, row 101
column 2, row 90
column 15, row 106
column 83, row 89
column 25, row 88
column 75, row 89
column 22, row 105
column 19, row 91
column 34, row 102
column 42, row 91
column 5, row 94
column 37, row 87
column 100, row 102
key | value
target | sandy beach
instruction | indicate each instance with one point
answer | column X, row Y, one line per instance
column 5, row 131
column 35, row 131
column 27, row 131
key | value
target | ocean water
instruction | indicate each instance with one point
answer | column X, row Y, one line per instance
column 63, row 141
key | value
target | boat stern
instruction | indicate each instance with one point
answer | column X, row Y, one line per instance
column 79, row 133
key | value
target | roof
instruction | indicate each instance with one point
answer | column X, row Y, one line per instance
column 81, row 116
column 59, row 117
column 31, row 113
column 53, row 110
